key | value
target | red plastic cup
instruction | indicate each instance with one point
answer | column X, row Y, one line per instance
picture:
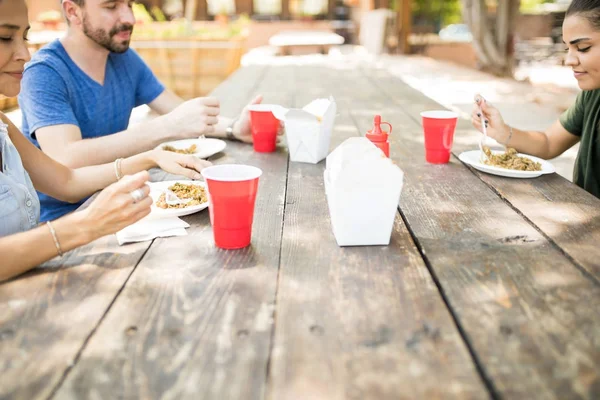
column 264, row 127
column 231, row 197
column 439, row 129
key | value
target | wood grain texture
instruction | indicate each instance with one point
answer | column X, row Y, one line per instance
column 361, row 322
column 47, row 314
column 529, row 314
column 195, row 321
column 565, row 213
column 295, row 316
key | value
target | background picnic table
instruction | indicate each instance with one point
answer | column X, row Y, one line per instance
column 490, row 287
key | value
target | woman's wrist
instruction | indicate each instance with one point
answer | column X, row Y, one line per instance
column 74, row 230
column 508, row 133
column 151, row 158
column 140, row 162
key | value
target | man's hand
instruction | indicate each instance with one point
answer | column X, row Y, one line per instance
column 194, row 118
column 242, row 130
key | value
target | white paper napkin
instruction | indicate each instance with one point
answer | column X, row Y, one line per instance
column 148, row 229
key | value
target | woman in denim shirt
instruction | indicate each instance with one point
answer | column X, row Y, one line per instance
column 24, row 168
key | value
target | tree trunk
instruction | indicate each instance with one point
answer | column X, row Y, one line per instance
column 194, row 10
column 190, row 9
column 493, row 44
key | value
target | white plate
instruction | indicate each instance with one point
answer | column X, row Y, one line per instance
column 158, row 188
column 204, row 147
column 472, row 158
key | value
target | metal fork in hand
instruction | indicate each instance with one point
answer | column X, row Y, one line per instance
column 483, row 157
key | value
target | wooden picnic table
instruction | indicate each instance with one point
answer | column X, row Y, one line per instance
column 490, row 287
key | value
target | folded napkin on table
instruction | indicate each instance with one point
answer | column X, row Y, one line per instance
column 148, row 229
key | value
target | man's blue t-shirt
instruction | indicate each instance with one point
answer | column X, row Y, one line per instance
column 55, row 91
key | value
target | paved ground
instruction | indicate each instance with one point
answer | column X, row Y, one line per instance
column 532, row 104
column 535, row 102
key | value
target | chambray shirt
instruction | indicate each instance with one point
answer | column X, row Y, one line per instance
column 19, row 203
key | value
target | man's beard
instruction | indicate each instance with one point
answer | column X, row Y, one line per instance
column 106, row 39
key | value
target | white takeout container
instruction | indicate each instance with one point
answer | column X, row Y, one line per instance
column 363, row 191
column 308, row 130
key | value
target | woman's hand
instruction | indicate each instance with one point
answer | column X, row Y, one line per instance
column 179, row 164
column 496, row 128
column 118, row 206
column 242, row 129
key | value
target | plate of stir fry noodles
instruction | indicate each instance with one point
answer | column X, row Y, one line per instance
column 507, row 163
column 201, row 148
column 191, row 197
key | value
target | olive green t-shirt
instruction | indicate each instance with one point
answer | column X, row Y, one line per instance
column 582, row 119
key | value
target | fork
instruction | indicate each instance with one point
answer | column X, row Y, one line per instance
column 173, row 200
column 482, row 156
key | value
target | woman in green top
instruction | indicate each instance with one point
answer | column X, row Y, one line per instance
column 581, row 34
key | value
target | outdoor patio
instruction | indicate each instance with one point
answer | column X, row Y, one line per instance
column 481, row 282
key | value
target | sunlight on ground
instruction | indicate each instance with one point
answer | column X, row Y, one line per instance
column 544, row 74
column 523, row 105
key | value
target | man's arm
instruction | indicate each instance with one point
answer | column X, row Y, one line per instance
column 166, row 102
column 169, row 101
column 48, row 111
column 71, row 185
column 64, row 143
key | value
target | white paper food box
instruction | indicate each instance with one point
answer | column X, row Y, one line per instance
column 308, row 130
column 363, row 191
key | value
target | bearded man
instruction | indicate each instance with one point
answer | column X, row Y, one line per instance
column 78, row 93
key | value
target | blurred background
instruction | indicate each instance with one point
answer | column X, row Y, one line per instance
column 223, row 33
column 510, row 51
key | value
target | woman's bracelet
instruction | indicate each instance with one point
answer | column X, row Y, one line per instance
column 118, row 168
column 509, row 136
column 56, row 242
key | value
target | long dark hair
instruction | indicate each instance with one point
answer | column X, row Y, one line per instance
column 588, row 9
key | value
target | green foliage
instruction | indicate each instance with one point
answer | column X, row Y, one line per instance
column 437, row 12
column 182, row 28
column 140, row 13
column 532, row 5
column 444, row 12
column 158, row 14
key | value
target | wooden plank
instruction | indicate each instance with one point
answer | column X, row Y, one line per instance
column 382, row 4
column 285, row 10
column 47, row 315
column 244, row 7
column 201, row 13
column 405, row 25
column 568, row 215
column 331, row 9
column 363, row 322
column 195, row 321
column 515, row 295
column 565, row 213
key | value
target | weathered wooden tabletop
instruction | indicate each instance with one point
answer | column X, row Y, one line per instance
column 490, row 287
